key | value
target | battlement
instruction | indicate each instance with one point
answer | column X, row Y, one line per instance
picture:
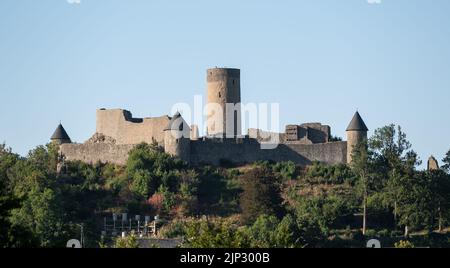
column 220, row 74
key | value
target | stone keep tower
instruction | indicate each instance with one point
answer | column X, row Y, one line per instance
column 356, row 133
column 177, row 138
column 223, row 87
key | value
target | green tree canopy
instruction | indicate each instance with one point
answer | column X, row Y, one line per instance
column 261, row 194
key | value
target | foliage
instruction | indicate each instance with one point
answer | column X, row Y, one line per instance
column 332, row 174
column 334, row 138
column 285, row 169
column 323, row 212
column 269, row 232
column 261, row 194
column 266, row 232
column 148, row 167
column 174, row 229
column 215, row 234
column 130, row 241
column 218, row 192
column 395, row 162
column 404, row 244
column 446, row 160
column 261, row 205
column 362, row 165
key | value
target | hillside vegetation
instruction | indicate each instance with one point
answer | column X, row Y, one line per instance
column 380, row 195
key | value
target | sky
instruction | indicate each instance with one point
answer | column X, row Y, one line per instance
column 321, row 60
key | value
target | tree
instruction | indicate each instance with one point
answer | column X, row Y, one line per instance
column 362, row 166
column 215, row 234
column 148, row 167
column 414, row 202
column 157, row 203
column 394, row 160
column 41, row 215
column 446, row 160
column 287, row 234
column 269, row 232
column 32, row 184
column 261, row 194
column 130, row 241
column 263, row 232
column 322, row 212
column 439, row 184
column 188, row 191
column 168, row 199
column 142, row 184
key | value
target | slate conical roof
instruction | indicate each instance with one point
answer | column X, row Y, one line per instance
column 172, row 122
column 60, row 134
column 357, row 124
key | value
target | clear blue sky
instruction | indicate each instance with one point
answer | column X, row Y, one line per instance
column 320, row 59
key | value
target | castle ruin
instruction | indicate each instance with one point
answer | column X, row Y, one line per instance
column 117, row 132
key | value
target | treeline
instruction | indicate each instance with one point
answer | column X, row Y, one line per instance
column 382, row 194
column 42, row 208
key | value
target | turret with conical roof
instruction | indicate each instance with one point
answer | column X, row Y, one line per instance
column 356, row 133
column 60, row 136
column 177, row 140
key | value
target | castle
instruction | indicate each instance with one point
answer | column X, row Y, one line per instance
column 117, row 132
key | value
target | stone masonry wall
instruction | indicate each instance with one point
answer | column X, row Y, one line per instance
column 248, row 151
column 92, row 153
column 212, row 151
column 124, row 129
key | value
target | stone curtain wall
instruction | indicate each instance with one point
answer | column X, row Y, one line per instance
column 92, row 153
column 212, row 152
column 248, row 151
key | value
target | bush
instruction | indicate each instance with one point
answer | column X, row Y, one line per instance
column 404, row 244
column 384, row 233
column 336, row 174
column 130, row 241
column 215, row 234
column 285, row 169
column 371, row 233
column 325, row 212
column 174, row 229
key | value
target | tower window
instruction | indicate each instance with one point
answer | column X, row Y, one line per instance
column 220, row 95
column 233, row 82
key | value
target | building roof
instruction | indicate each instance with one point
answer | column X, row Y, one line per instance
column 60, row 134
column 357, row 124
column 173, row 120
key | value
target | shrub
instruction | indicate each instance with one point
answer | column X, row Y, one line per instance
column 404, row 244
column 285, row 169
column 127, row 242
